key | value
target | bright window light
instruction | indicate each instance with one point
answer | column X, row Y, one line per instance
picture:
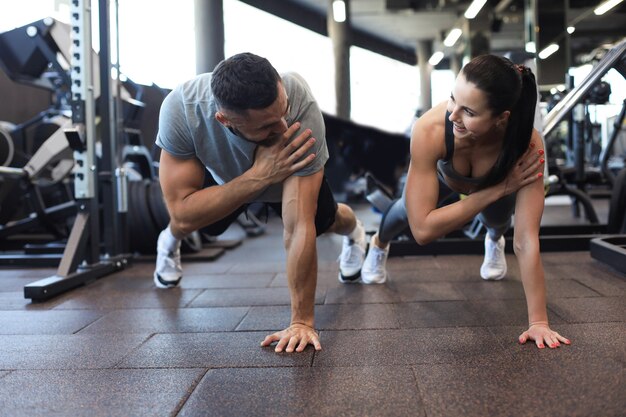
column 339, row 11
column 571, row 29
column 474, row 8
column 452, row 37
column 531, row 47
column 435, row 58
column 549, row 50
column 606, row 6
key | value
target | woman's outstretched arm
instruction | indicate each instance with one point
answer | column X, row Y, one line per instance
column 528, row 210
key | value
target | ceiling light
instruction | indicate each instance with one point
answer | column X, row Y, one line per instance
column 530, row 47
column 339, row 11
column 606, row 6
column 570, row 29
column 436, row 58
column 452, row 37
column 548, row 50
column 474, row 8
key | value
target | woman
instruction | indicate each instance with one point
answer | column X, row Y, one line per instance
column 480, row 143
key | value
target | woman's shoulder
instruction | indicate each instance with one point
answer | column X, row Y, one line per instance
column 430, row 128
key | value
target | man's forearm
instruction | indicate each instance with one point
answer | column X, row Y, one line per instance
column 302, row 273
column 211, row 204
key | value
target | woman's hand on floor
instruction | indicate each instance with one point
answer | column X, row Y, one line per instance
column 543, row 336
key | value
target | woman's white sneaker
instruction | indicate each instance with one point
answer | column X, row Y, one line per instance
column 494, row 265
column 374, row 269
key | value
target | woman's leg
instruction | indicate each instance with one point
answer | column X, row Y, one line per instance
column 497, row 220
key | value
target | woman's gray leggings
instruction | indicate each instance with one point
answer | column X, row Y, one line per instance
column 496, row 218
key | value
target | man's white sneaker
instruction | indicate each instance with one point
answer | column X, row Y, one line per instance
column 374, row 268
column 169, row 270
column 352, row 255
column 494, row 265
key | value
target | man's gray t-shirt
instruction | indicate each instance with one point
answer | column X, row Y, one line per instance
column 188, row 129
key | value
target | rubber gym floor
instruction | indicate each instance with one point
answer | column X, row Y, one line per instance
column 435, row 340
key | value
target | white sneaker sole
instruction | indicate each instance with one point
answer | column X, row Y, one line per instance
column 161, row 283
column 354, row 279
column 367, row 282
column 496, row 278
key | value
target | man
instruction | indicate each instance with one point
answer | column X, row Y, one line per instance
column 262, row 139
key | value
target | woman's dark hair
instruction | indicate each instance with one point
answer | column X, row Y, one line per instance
column 244, row 81
column 507, row 87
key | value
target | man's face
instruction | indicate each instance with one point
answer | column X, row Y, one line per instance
column 260, row 126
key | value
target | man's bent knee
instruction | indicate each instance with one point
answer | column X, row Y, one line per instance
column 345, row 220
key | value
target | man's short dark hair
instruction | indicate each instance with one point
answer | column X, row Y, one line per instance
column 244, row 81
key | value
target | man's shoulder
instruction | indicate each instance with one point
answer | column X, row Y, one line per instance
column 294, row 81
column 195, row 89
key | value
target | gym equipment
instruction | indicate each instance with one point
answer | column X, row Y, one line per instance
column 82, row 260
column 51, row 164
column 7, row 148
column 611, row 250
column 617, row 209
column 356, row 150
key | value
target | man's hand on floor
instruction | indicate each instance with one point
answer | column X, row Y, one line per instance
column 295, row 337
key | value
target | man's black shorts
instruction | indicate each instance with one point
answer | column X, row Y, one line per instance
column 324, row 218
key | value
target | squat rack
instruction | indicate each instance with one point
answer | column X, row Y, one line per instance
column 82, row 261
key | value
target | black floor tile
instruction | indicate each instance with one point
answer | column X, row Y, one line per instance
column 258, row 268
column 45, row 322
column 491, row 290
column 183, row 320
column 247, row 297
column 588, row 341
column 94, row 393
column 200, row 268
column 380, row 391
column 91, row 298
column 590, row 310
column 15, row 284
column 431, row 291
column 335, row 316
column 508, row 312
column 362, row 294
column 212, row 350
column 227, row 281
column 404, row 347
column 437, row 314
column 526, row 388
column 16, row 301
column 25, row 273
column 65, row 351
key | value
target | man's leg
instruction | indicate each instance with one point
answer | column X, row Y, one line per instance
column 169, row 271
column 340, row 219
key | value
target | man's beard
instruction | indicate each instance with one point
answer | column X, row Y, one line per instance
column 265, row 142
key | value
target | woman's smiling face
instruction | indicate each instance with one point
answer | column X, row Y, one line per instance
column 469, row 110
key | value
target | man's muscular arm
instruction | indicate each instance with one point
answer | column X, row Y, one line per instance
column 191, row 206
column 299, row 207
